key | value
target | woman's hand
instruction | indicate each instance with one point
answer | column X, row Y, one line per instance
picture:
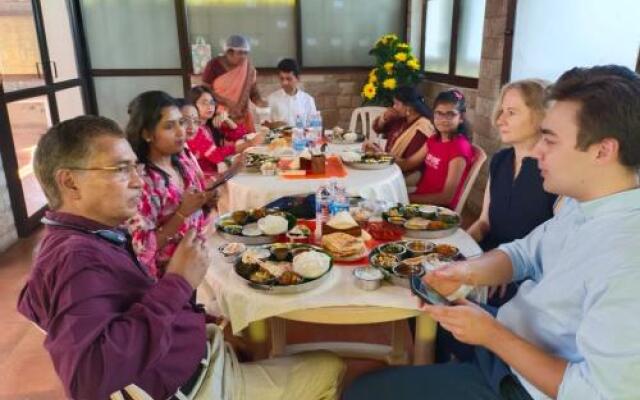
column 258, row 139
column 369, row 146
column 192, row 201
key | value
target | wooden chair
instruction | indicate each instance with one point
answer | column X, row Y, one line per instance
column 479, row 157
column 366, row 116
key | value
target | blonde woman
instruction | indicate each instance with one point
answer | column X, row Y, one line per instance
column 514, row 200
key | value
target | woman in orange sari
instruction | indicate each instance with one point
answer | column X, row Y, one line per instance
column 233, row 81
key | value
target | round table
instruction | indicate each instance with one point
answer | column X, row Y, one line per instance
column 336, row 301
column 252, row 190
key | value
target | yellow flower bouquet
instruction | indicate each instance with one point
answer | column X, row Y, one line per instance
column 395, row 66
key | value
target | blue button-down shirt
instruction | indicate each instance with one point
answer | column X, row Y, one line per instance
column 580, row 301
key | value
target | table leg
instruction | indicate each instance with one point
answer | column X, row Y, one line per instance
column 398, row 355
column 425, row 340
column 278, row 336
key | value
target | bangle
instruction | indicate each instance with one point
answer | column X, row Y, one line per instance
column 181, row 215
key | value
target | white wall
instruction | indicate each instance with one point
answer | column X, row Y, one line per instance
column 552, row 36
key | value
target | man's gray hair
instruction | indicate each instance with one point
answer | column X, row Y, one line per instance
column 68, row 145
column 237, row 42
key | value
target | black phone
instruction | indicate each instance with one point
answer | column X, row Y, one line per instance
column 427, row 293
column 225, row 176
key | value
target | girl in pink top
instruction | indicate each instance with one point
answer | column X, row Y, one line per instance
column 208, row 144
column 449, row 153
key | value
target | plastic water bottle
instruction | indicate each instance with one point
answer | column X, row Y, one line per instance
column 298, row 141
column 340, row 201
column 300, row 122
column 315, row 128
column 323, row 202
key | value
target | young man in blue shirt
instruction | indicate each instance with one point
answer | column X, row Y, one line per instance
column 571, row 331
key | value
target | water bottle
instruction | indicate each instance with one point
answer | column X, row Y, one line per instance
column 340, row 201
column 298, row 141
column 323, row 202
column 299, row 122
column 315, row 128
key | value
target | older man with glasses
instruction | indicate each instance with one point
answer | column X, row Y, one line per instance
column 113, row 329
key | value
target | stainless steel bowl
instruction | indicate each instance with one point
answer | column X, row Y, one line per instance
column 367, row 283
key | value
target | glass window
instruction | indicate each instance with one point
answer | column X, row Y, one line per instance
column 70, row 103
column 341, row 32
column 57, row 27
column 131, row 33
column 114, row 94
column 20, row 63
column 269, row 24
column 30, row 118
column 470, row 38
column 437, row 36
column 440, row 20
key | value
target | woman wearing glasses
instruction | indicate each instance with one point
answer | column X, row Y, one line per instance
column 173, row 192
column 233, row 80
column 449, row 153
column 208, row 143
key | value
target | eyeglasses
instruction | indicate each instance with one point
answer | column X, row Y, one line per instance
column 446, row 115
column 122, row 171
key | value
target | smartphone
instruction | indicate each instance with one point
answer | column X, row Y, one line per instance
column 225, row 176
column 427, row 293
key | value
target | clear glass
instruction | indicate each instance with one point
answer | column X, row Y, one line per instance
column 437, row 40
column 20, row 63
column 114, row 94
column 69, row 103
column 341, row 32
column 470, row 38
column 29, row 119
column 57, row 28
column 269, row 25
column 131, row 33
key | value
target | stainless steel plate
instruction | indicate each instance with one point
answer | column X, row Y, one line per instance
column 427, row 234
column 367, row 166
column 291, row 289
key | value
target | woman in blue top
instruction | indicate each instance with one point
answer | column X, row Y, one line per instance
column 514, row 201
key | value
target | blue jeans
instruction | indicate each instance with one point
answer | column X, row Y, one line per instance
column 487, row 377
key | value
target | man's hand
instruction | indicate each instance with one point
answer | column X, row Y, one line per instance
column 449, row 278
column 191, row 259
column 468, row 322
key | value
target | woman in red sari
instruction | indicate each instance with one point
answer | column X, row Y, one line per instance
column 233, row 81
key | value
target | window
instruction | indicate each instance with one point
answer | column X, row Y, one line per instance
column 327, row 33
column 453, row 40
column 269, row 24
column 341, row 32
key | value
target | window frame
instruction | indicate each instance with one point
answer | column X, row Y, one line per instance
column 450, row 77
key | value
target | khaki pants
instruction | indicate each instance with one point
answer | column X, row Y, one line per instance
column 310, row 376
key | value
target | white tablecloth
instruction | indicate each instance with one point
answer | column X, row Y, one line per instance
column 252, row 190
column 243, row 305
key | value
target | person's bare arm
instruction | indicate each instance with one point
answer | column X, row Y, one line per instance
column 413, row 162
column 479, row 229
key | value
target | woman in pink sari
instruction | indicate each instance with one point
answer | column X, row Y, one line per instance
column 233, row 80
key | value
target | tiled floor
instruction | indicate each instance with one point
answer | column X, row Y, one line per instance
column 26, row 372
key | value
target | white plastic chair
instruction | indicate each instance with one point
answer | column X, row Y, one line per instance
column 365, row 116
column 479, row 157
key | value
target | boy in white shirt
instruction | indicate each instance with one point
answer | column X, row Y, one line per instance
column 289, row 101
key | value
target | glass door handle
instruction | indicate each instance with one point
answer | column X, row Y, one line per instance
column 55, row 68
column 38, row 70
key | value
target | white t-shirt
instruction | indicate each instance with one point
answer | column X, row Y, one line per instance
column 285, row 107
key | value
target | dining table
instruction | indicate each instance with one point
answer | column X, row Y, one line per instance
column 337, row 301
column 249, row 190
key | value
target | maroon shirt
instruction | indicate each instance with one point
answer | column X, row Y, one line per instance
column 108, row 322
